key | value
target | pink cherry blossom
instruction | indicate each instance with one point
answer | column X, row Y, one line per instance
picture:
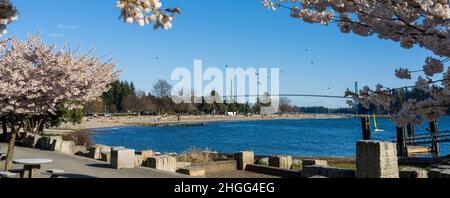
column 37, row 79
column 423, row 23
column 144, row 12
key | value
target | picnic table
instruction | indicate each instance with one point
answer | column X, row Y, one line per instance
column 31, row 164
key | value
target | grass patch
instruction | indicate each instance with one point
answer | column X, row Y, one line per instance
column 352, row 166
column 296, row 167
column 343, row 165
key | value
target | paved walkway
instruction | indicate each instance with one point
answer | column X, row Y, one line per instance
column 81, row 167
column 239, row 175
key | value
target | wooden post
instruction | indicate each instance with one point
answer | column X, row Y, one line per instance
column 365, row 123
column 402, row 148
column 411, row 133
column 435, row 145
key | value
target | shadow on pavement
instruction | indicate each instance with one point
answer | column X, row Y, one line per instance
column 99, row 165
column 80, row 176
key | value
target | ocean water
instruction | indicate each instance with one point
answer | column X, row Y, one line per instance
column 329, row 137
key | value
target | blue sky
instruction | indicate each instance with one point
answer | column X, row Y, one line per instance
column 240, row 33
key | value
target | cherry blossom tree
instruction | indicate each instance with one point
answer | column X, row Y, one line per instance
column 8, row 14
column 37, row 79
column 145, row 12
column 423, row 23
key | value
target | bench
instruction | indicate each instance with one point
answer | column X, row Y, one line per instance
column 54, row 173
column 2, row 157
column 5, row 175
column 21, row 172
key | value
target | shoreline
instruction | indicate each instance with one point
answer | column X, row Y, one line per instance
column 91, row 123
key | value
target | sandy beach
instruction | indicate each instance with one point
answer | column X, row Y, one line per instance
column 108, row 122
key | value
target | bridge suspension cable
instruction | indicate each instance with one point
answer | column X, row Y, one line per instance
column 293, row 95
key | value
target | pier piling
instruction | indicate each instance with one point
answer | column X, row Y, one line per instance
column 402, row 149
column 435, row 145
column 365, row 123
column 411, row 133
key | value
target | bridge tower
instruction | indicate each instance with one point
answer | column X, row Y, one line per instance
column 356, row 92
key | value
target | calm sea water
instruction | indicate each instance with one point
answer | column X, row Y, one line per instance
column 330, row 137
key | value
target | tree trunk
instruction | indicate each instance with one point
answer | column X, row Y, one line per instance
column 35, row 125
column 11, row 144
column 41, row 128
column 5, row 131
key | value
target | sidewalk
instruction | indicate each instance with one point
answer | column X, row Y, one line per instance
column 81, row 167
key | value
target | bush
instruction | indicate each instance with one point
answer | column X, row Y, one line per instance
column 196, row 155
column 81, row 138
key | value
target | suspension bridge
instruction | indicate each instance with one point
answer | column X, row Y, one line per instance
column 289, row 95
column 231, row 96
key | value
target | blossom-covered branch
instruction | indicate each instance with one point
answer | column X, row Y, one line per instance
column 8, row 14
column 411, row 22
column 145, row 12
column 423, row 23
column 432, row 66
column 38, row 79
column 412, row 111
